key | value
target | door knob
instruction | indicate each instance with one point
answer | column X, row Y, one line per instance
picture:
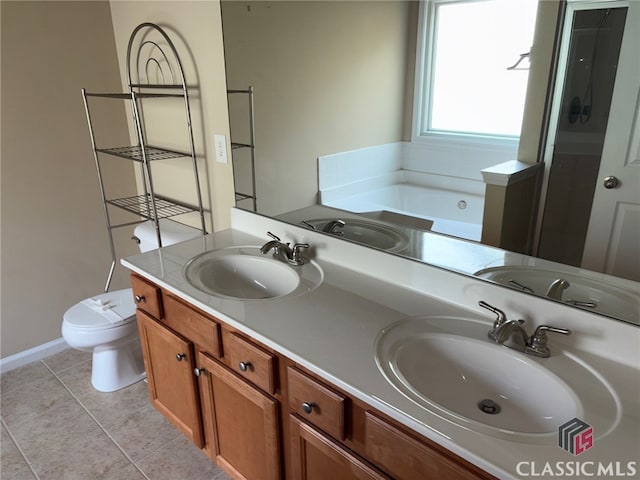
column 180, row 356
column 198, row 371
column 244, row 366
column 611, row 182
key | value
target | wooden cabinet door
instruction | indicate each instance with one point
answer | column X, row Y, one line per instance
column 315, row 456
column 169, row 362
column 241, row 423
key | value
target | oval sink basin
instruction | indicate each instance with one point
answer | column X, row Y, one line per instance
column 584, row 292
column 367, row 233
column 245, row 273
column 455, row 372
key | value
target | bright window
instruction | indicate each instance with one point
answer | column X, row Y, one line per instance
column 467, row 88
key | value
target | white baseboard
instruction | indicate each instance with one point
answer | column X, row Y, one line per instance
column 32, row 354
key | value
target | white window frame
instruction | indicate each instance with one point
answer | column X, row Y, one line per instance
column 420, row 132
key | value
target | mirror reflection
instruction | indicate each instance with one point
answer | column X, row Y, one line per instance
column 344, row 144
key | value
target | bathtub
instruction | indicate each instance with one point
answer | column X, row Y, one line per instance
column 452, row 212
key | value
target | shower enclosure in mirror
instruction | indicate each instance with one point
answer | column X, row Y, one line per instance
column 335, row 102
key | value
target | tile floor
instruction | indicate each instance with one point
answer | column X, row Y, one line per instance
column 55, row 426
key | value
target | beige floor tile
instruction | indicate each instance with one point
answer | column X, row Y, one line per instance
column 53, row 431
column 61, row 441
column 78, row 378
column 66, row 359
column 129, row 473
column 93, row 457
column 143, row 432
column 107, row 407
column 13, row 465
column 31, row 400
column 18, row 378
column 179, row 459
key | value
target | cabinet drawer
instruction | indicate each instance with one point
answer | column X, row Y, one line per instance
column 200, row 329
column 251, row 362
column 147, row 296
column 316, row 403
column 406, row 458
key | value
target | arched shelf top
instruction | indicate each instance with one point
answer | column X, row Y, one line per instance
column 152, row 59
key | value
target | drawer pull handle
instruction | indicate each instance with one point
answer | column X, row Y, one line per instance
column 198, row 371
column 244, row 366
column 139, row 298
column 180, row 356
column 307, row 407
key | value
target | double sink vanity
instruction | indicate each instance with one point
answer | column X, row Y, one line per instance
column 313, row 358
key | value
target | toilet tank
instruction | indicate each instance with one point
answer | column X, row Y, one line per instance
column 171, row 232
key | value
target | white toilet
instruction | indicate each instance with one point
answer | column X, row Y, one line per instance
column 106, row 324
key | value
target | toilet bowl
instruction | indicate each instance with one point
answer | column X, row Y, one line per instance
column 105, row 324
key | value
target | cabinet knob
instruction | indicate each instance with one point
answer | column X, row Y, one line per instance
column 307, row 407
column 139, row 298
column 198, row 371
column 180, row 356
column 244, row 366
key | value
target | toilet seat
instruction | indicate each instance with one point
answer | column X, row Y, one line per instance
column 102, row 312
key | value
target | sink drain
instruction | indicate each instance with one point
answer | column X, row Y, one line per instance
column 489, row 406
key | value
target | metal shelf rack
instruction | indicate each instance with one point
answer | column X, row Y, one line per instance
column 154, row 71
column 252, row 151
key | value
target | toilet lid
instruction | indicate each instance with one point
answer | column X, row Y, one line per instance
column 106, row 310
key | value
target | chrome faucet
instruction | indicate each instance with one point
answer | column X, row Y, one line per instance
column 556, row 288
column 283, row 252
column 512, row 334
column 334, row 226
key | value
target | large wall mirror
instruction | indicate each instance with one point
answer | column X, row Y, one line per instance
column 334, row 118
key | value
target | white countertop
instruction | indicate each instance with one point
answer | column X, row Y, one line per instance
column 332, row 331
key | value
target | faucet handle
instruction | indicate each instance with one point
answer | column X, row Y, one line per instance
column 296, row 253
column 540, row 331
column 309, row 225
column 500, row 316
column 274, row 236
column 538, row 341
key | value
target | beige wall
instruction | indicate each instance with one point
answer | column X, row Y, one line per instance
column 328, row 77
column 54, row 245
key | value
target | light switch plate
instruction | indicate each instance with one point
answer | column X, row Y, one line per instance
column 220, row 144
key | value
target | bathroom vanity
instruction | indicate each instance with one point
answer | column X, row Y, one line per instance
column 322, row 379
column 250, row 407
